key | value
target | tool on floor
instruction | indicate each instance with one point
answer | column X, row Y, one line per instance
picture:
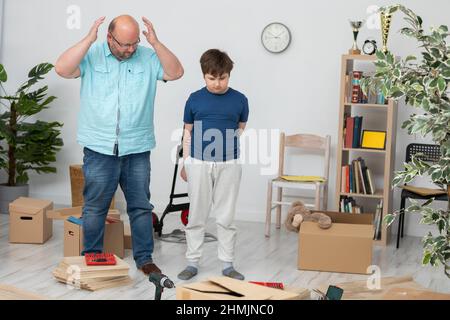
column 333, row 293
column 100, row 259
column 275, row 285
column 160, row 281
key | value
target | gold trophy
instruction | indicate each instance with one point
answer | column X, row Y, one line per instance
column 356, row 25
column 386, row 17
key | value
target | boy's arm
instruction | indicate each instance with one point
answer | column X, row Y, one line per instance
column 186, row 146
column 241, row 127
column 67, row 65
column 187, row 139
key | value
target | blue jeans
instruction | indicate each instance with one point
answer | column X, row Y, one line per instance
column 102, row 174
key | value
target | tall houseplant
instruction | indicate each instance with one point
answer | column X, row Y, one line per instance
column 424, row 83
column 25, row 145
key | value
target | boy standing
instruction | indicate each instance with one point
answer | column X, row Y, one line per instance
column 214, row 118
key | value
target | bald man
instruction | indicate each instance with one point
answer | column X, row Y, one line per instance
column 115, row 125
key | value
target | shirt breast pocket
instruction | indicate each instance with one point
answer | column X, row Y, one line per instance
column 135, row 77
column 102, row 82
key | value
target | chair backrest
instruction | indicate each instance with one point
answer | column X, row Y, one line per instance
column 430, row 152
column 305, row 141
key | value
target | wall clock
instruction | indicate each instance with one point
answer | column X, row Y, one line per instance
column 276, row 37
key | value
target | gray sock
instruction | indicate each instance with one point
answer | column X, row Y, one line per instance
column 188, row 273
column 231, row 273
column 226, row 265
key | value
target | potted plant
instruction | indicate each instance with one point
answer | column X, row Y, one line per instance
column 424, row 83
column 25, row 145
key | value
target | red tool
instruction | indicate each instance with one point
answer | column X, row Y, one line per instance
column 275, row 285
column 100, row 259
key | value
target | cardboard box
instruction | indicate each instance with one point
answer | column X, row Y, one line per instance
column 77, row 185
column 64, row 213
column 112, row 239
column 345, row 247
column 224, row 288
column 73, row 233
column 28, row 222
column 127, row 237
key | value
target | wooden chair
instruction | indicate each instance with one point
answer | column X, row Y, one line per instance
column 301, row 141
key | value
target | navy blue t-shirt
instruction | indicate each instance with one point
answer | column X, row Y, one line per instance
column 216, row 119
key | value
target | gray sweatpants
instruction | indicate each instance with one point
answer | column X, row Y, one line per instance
column 212, row 187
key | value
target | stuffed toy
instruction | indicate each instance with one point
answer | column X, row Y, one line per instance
column 298, row 213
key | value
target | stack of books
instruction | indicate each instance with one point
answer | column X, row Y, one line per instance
column 348, row 204
column 352, row 132
column 357, row 178
column 75, row 272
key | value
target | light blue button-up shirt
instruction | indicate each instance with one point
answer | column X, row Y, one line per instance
column 117, row 100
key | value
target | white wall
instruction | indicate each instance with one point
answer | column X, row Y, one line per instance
column 296, row 91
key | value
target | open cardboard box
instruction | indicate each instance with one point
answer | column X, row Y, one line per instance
column 113, row 239
column 224, row 288
column 28, row 222
column 345, row 247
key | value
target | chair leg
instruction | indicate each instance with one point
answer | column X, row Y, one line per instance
column 325, row 197
column 402, row 207
column 400, row 220
column 317, row 199
column 279, row 197
column 268, row 208
column 398, row 229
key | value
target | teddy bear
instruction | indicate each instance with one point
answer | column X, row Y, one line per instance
column 298, row 213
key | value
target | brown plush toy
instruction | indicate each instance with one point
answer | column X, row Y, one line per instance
column 298, row 213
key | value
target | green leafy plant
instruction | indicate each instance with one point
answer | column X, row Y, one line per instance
column 26, row 145
column 424, row 83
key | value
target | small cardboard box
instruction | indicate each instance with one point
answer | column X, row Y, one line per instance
column 28, row 222
column 77, row 185
column 345, row 247
column 112, row 239
column 224, row 288
column 127, row 237
column 73, row 233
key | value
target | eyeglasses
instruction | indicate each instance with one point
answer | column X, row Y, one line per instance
column 126, row 46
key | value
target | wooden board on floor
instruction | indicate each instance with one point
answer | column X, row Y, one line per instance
column 358, row 290
column 12, row 293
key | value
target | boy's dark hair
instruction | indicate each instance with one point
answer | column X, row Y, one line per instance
column 215, row 62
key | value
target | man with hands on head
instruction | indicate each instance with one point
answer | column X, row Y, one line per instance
column 115, row 125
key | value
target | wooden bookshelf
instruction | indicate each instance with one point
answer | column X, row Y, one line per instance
column 387, row 156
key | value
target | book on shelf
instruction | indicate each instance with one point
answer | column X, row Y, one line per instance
column 348, row 92
column 361, row 168
column 370, row 180
column 357, row 128
column 356, row 86
column 349, row 121
column 351, row 178
column 378, row 221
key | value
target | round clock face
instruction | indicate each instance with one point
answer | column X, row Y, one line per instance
column 276, row 37
column 369, row 47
